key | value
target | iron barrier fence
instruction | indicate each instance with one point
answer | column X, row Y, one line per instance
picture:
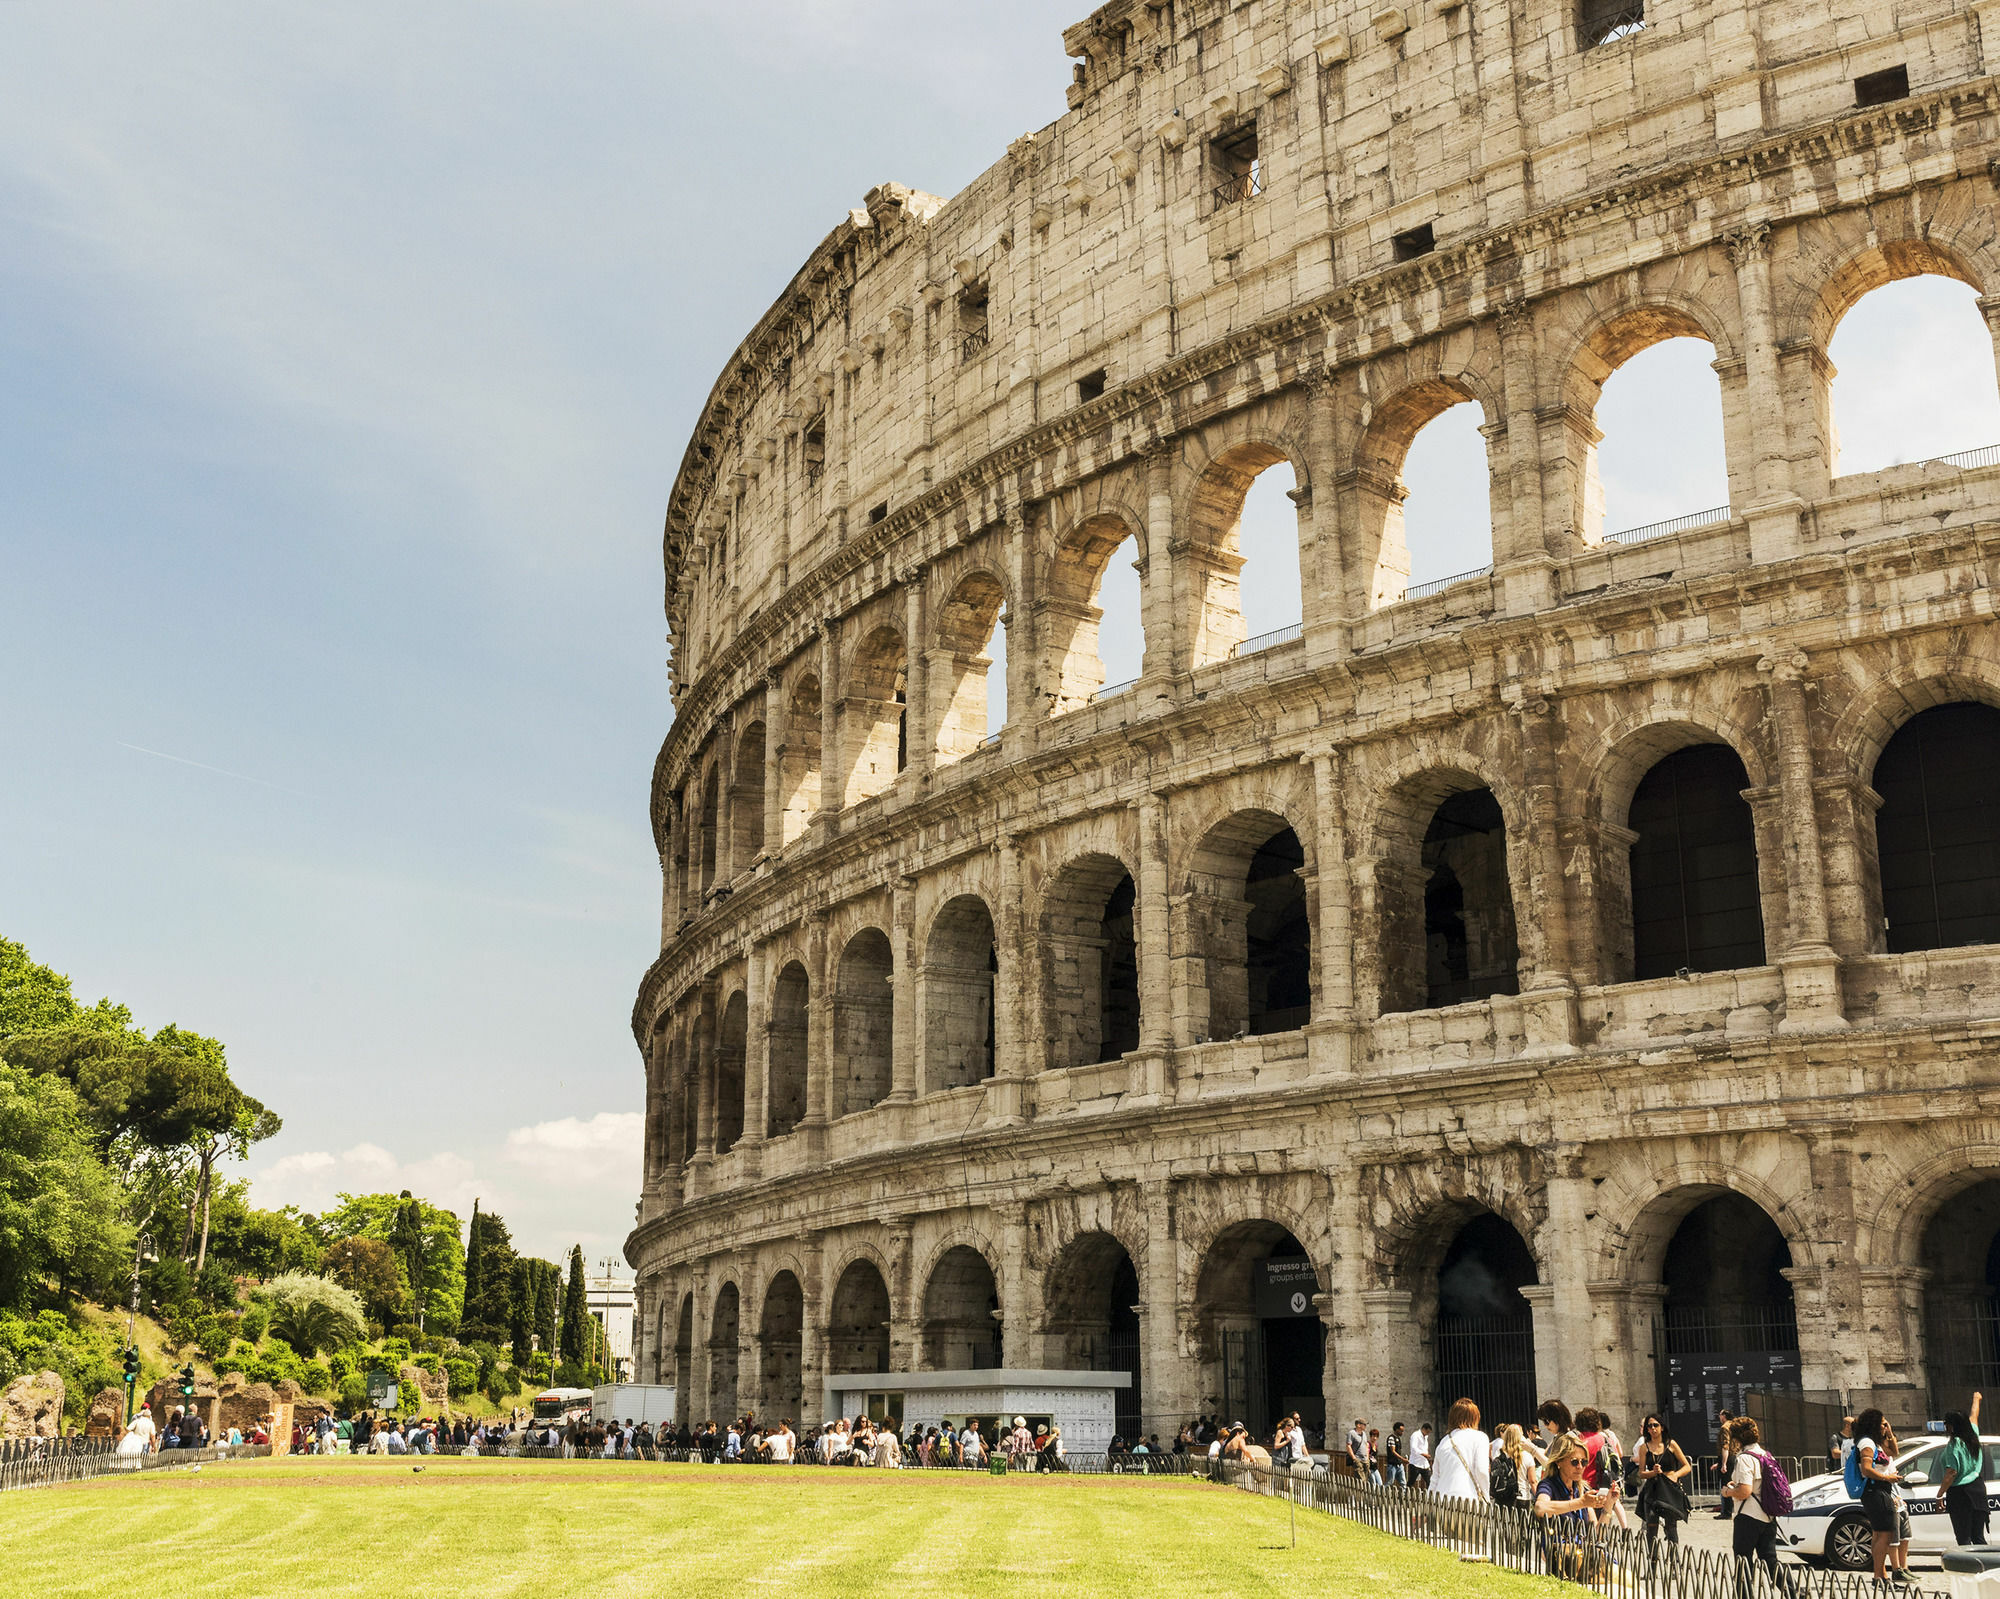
column 1418, row 591
column 1270, row 640
column 44, row 1462
column 1673, row 524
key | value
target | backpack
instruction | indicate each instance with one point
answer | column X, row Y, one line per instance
column 1850, row 1472
column 1774, row 1488
column 1610, row 1464
column 1506, row 1480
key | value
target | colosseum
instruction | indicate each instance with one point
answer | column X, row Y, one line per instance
column 1572, row 977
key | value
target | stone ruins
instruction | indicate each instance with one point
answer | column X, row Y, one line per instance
column 1571, row 977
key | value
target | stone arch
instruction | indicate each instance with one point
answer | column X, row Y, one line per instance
column 961, row 1304
column 707, row 826
column 732, row 1045
column 1089, row 961
column 1414, row 1211
column 863, row 1022
column 957, row 668
column 1615, row 337
column 746, row 798
column 788, row 1029
column 1379, row 570
column 1248, row 921
column 1212, row 515
column 858, row 1312
column 1093, row 1292
column 961, row 963
column 1069, row 613
column 781, row 1321
column 874, row 714
column 1257, row 1323
column 799, row 759
column 1819, row 307
column 1447, row 881
column 725, row 1342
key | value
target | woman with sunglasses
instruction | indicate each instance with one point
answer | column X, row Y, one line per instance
column 1663, row 1474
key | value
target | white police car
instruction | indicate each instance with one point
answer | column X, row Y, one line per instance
column 1826, row 1522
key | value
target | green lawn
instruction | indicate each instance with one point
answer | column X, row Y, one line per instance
column 551, row 1528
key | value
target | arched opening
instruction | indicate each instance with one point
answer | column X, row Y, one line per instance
column 677, row 852
column 659, row 1102
column 1914, row 369
column 1484, row 1345
column 731, row 1049
column 1728, row 1321
column 960, row 964
column 1090, row 963
column 1248, row 920
column 1264, row 1344
column 1695, row 904
column 873, row 721
column 789, row 998
column 1655, row 454
column 959, row 692
column 1446, row 905
column 684, row 1362
column 1937, row 835
column 1218, row 557
column 863, row 1023
column 681, row 1107
column 1091, row 614
column 746, row 799
column 1424, row 495
column 781, row 1351
column 798, row 761
column 961, row 1314
column 1093, row 1318
column 710, row 816
column 857, row 1328
column 724, row 1341
column 1961, row 1253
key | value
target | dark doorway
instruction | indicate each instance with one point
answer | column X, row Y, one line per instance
column 1695, row 905
column 1279, row 937
column 1093, row 1318
column 1728, row 1327
column 1470, row 946
column 1937, row 834
column 1961, row 1251
column 1259, row 1283
column 1485, row 1342
column 1118, row 972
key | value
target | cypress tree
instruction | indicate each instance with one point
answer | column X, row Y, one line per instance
column 521, row 1317
column 573, row 1312
column 475, row 1235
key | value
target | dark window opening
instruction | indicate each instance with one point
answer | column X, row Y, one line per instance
column 1695, row 905
column 1728, row 1318
column 902, row 721
column 815, row 448
column 1090, row 386
column 1960, row 1253
column 1937, row 835
column 1602, row 21
column 1470, row 947
column 1879, row 88
column 975, row 327
column 1416, row 242
column 1278, row 937
column 1485, row 1340
column 1239, row 171
column 879, row 514
column 1118, row 976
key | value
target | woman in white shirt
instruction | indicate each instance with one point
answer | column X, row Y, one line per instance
column 1462, row 1461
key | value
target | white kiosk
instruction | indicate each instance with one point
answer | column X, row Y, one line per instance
column 1082, row 1403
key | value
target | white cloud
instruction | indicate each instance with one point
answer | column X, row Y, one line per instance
column 604, row 1150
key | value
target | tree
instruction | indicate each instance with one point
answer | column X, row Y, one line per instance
column 58, row 1206
column 574, row 1314
column 375, row 1216
column 521, row 1311
column 221, row 1119
column 475, row 1236
column 369, row 1268
column 34, row 999
column 412, row 1244
column 311, row 1313
column 490, row 1283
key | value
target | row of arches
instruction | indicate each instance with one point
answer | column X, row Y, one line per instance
column 1686, row 894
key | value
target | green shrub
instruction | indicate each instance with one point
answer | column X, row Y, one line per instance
column 255, row 1321
column 86, row 1359
column 353, row 1391
column 394, row 1352
column 340, row 1365
column 314, row 1378
column 214, row 1336
column 462, row 1373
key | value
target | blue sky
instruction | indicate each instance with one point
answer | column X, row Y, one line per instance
column 349, row 353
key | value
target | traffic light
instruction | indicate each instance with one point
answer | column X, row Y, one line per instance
column 187, row 1381
column 132, row 1364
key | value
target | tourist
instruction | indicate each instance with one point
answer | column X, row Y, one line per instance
column 972, row 1445
column 1052, row 1454
column 1357, row 1448
column 782, row 1443
column 1019, row 1441
column 1962, row 1472
column 1726, row 1462
column 1553, row 1417
column 1463, row 1457
column 1298, row 1449
column 1756, row 1534
column 1395, row 1451
column 1881, row 1501
column 1663, row 1474
column 1606, row 1468
column 1372, row 1452
column 1570, row 1505
column 1514, row 1471
column 1420, row 1457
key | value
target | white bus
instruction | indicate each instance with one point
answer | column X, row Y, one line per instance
column 561, row 1406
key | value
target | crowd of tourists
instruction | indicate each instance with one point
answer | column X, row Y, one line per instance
column 855, row 1441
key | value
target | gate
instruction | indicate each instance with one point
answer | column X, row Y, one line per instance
column 1124, row 1356
column 1962, row 1349
column 1489, row 1360
column 1245, row 1393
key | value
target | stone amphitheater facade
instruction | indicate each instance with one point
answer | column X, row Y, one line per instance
column 1039, row 1049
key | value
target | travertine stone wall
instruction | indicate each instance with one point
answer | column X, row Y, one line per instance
column 843, row 1085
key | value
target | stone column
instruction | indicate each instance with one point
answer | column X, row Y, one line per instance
column 777, row 716
column 1812, row 970
column 1155, row 972
column 919, row 734
column 905, row 1311
column 704, row 1074
column 1528, row 540
column 1398, row 1379
column 1322, row 560
column 832, row 771
column 1625, row 1319
column 819, row 1036
column 1170, row 1379
column 1562, row 1309
column 812, row 1338
column 903, row 989
column 1837, row 1344
column 1548, row 990
column 1773, row 513
column 696, row 1401
column 1018, row 1306
column 1016, row 1056
column 1026, row 701
column 756, row 1064
column 1333, row 930
column 1158, row 599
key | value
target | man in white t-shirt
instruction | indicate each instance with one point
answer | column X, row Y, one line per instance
column 780, row 1442
column 1420, row 1456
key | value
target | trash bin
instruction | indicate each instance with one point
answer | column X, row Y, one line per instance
column 997, row 1466
column 1973, row 1572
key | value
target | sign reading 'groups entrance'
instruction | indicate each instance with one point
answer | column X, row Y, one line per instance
column 1285, row 1287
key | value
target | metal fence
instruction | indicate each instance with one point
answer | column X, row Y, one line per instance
column 1418, row 591
column 44, row 1462
column 1674, row 524
column 1612, row 1560
column 1265, row 641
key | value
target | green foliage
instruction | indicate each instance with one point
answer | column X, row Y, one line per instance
column 316, row 1378
column 34, row 999
column 577, row 1374
column 215, row 1336
column 353, row 1391
column 376, row 1215
column 394, row 1351
column 521, row 1309
column 489, row 1293
column 575, row 1335
column 84, row 1357
column 276, row 1362
column 369, row 1267
column 312, row 1313
column 58, row 1204
column 257, row 1243
column 462, row 1373
column 255, row 1320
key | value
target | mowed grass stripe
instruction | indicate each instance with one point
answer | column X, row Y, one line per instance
column 550, row 1529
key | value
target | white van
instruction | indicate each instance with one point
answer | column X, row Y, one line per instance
column 633, row 1401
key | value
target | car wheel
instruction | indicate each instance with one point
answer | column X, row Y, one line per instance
column 1850, row 1544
